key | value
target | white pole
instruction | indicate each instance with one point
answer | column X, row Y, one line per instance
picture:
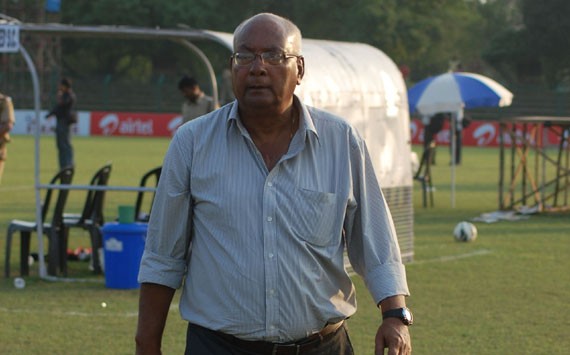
column 36, row 85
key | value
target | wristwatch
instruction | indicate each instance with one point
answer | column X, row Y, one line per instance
column 403, row 314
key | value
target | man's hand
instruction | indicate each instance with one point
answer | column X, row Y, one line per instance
column 395, row 336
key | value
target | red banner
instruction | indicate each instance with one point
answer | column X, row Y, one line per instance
column 477, row 133
column 135, row 124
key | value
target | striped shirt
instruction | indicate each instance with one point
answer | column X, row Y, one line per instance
column 266, row 257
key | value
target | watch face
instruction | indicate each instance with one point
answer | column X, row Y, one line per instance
column 407, row 316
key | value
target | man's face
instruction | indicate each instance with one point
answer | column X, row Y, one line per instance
column 191, row 92
column 260, row 85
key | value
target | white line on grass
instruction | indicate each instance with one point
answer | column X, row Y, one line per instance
column 441, row 259
column 446, row 258
column 105, row 312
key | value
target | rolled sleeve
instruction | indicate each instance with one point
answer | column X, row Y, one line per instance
column 165, row 258
column 372, row 242
column 161, row 270
column 387, row 280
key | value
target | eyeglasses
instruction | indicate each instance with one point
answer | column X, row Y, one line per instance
column 271, row 58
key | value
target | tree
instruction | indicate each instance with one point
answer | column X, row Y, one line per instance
column 548, row 32
column 425, row 35
column 534, row 47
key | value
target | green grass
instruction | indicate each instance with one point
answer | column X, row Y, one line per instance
column 505, row 293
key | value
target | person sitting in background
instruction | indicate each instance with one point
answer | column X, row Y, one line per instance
column 197, row 103
column 7, row 121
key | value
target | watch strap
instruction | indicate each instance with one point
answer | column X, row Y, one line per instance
column 404, row 314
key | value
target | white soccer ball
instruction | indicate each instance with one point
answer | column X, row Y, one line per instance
column 19, row 283
column 465, row 232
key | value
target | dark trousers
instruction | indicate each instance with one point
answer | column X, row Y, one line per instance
column 202, row 341
column 63, row 141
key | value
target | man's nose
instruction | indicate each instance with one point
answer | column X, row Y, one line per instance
column 257, row 65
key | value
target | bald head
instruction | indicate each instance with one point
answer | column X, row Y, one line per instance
column 289, row 30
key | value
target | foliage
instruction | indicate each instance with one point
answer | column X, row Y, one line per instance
column 548, row 28
column 520, row 40
column 509, row 53
column 535, row 46
column 415, row 33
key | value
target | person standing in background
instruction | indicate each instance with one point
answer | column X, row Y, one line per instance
column 7, row 121
column 196, row 103
column 65, row 114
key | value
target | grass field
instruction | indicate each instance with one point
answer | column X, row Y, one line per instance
column 505, row 293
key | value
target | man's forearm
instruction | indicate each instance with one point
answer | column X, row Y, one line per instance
column 154, row 303
column 389, row 303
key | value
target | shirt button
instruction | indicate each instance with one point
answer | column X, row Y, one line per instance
column 269, row 219
column 271, row 255
column 270, row 184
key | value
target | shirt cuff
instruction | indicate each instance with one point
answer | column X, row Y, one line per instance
column 161, row 270
column 387, row 280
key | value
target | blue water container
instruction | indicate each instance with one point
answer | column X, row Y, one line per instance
column 123, row 245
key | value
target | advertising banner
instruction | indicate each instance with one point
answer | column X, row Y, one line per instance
column 478, row 134
column 134, row 124
column 26, row 125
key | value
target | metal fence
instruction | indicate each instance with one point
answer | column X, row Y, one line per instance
column 160, row 94
column 104, row 93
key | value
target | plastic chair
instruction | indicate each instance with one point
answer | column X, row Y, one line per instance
column 423, row 174
column 91, row 218
column 141, row 216
column 55, row 230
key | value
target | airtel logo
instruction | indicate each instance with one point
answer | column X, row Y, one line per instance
column 484, row 134
column 109, row 124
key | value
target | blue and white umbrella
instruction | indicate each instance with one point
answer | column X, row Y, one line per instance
column 453, row 92
column 456, row 91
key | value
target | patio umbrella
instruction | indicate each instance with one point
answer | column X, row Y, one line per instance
column 453, row 92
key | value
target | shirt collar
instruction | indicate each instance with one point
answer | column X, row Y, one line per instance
column 306, row 121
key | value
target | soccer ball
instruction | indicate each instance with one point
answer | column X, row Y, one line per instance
column 465, row 232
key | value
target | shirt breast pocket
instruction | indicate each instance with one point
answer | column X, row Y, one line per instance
column 316, row 216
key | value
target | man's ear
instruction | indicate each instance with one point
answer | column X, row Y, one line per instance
column 300, row 69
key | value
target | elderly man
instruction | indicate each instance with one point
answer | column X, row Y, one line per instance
column 256, row 204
